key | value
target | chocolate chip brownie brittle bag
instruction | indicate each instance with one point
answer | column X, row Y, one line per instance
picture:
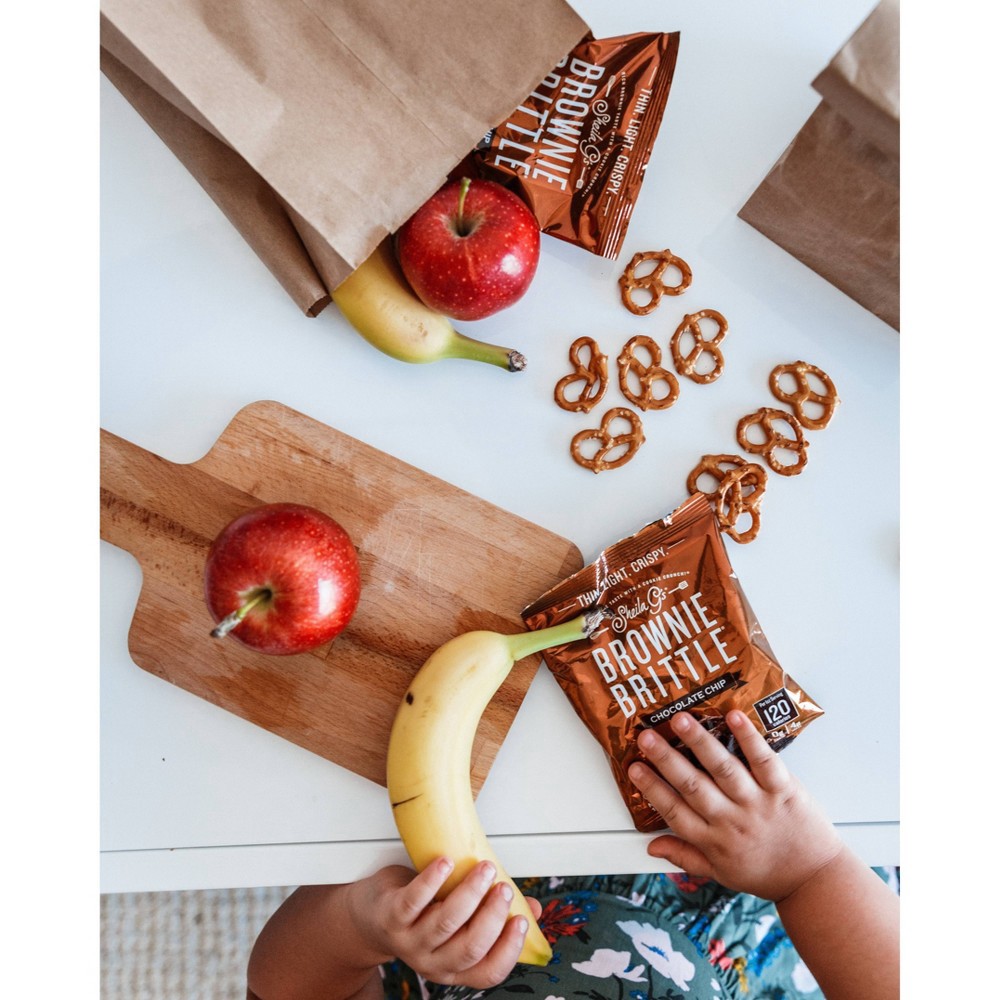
column 680, row 635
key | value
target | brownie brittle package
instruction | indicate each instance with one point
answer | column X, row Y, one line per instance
column 679, row 635
column 577, row 146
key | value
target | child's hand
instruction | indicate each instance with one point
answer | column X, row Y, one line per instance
column 464, row 939
column 754, row 830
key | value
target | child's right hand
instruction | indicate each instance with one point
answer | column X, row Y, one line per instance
column 465, row 939
column 753, row 831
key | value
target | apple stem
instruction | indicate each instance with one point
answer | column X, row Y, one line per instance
column 463, row 190
column 235, row 617
column 477, row 350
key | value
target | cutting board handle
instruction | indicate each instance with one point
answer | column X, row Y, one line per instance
column 148, row 502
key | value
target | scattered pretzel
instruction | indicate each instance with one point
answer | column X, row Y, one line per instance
column 652, row 282
column 805, row 394
column 686, row 364
column 766, row 417
column 731, row 502
column 734, row 476
column 647, row 375
column 609, row 442
column 715, row 466
column 593, row 375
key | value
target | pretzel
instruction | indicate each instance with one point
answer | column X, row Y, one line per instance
column 774, row 440
column 647, row 375
column 804, row 393
column 652, row 282
column 733, row 475
column 609, row 442
column 686, row 364
column 594, row 376
column 731, row 502
column 716, row 466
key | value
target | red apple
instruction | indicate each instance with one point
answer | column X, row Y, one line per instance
column 282, row 578
column 471, row 250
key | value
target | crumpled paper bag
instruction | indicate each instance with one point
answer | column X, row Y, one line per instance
column 320, row 126
column 832, row 198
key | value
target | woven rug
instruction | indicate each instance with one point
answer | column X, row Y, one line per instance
column 181, row 945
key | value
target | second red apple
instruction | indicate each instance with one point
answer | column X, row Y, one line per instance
column 282, row 578
column 471, row 250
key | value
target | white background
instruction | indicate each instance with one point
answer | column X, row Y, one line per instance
column 193, row 327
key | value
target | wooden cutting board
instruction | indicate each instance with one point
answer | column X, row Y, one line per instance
column 436, row 561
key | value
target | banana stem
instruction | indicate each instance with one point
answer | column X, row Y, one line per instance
column 525, row 643
column 477, row 350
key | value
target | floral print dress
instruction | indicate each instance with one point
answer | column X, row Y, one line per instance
column 645, row 937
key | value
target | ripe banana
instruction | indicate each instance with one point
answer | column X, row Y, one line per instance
column 430, row 750
column 379, row 303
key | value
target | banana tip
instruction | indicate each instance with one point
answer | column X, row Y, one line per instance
column 516, row 361
column 592, row 618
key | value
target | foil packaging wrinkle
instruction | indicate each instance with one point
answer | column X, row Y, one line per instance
column 576, row 149
column 680, row 635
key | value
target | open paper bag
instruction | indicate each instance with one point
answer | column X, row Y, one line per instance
column 320, row 126
column 832, row 198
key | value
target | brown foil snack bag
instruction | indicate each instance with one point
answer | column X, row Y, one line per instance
column 680, row 635
column 576, row 149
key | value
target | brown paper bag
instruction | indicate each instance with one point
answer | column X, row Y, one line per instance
column 832, row 198
column 319, row 127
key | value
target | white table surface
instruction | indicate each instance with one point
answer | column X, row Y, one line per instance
column 194, row 327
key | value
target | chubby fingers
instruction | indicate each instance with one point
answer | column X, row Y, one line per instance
column 684, row 856
column 416, row 895
column 484, row 951
column 765, row 765
column 445, row 919
column 726, row 770
column 724, row 779
column 668, row 797
column 468, row 938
